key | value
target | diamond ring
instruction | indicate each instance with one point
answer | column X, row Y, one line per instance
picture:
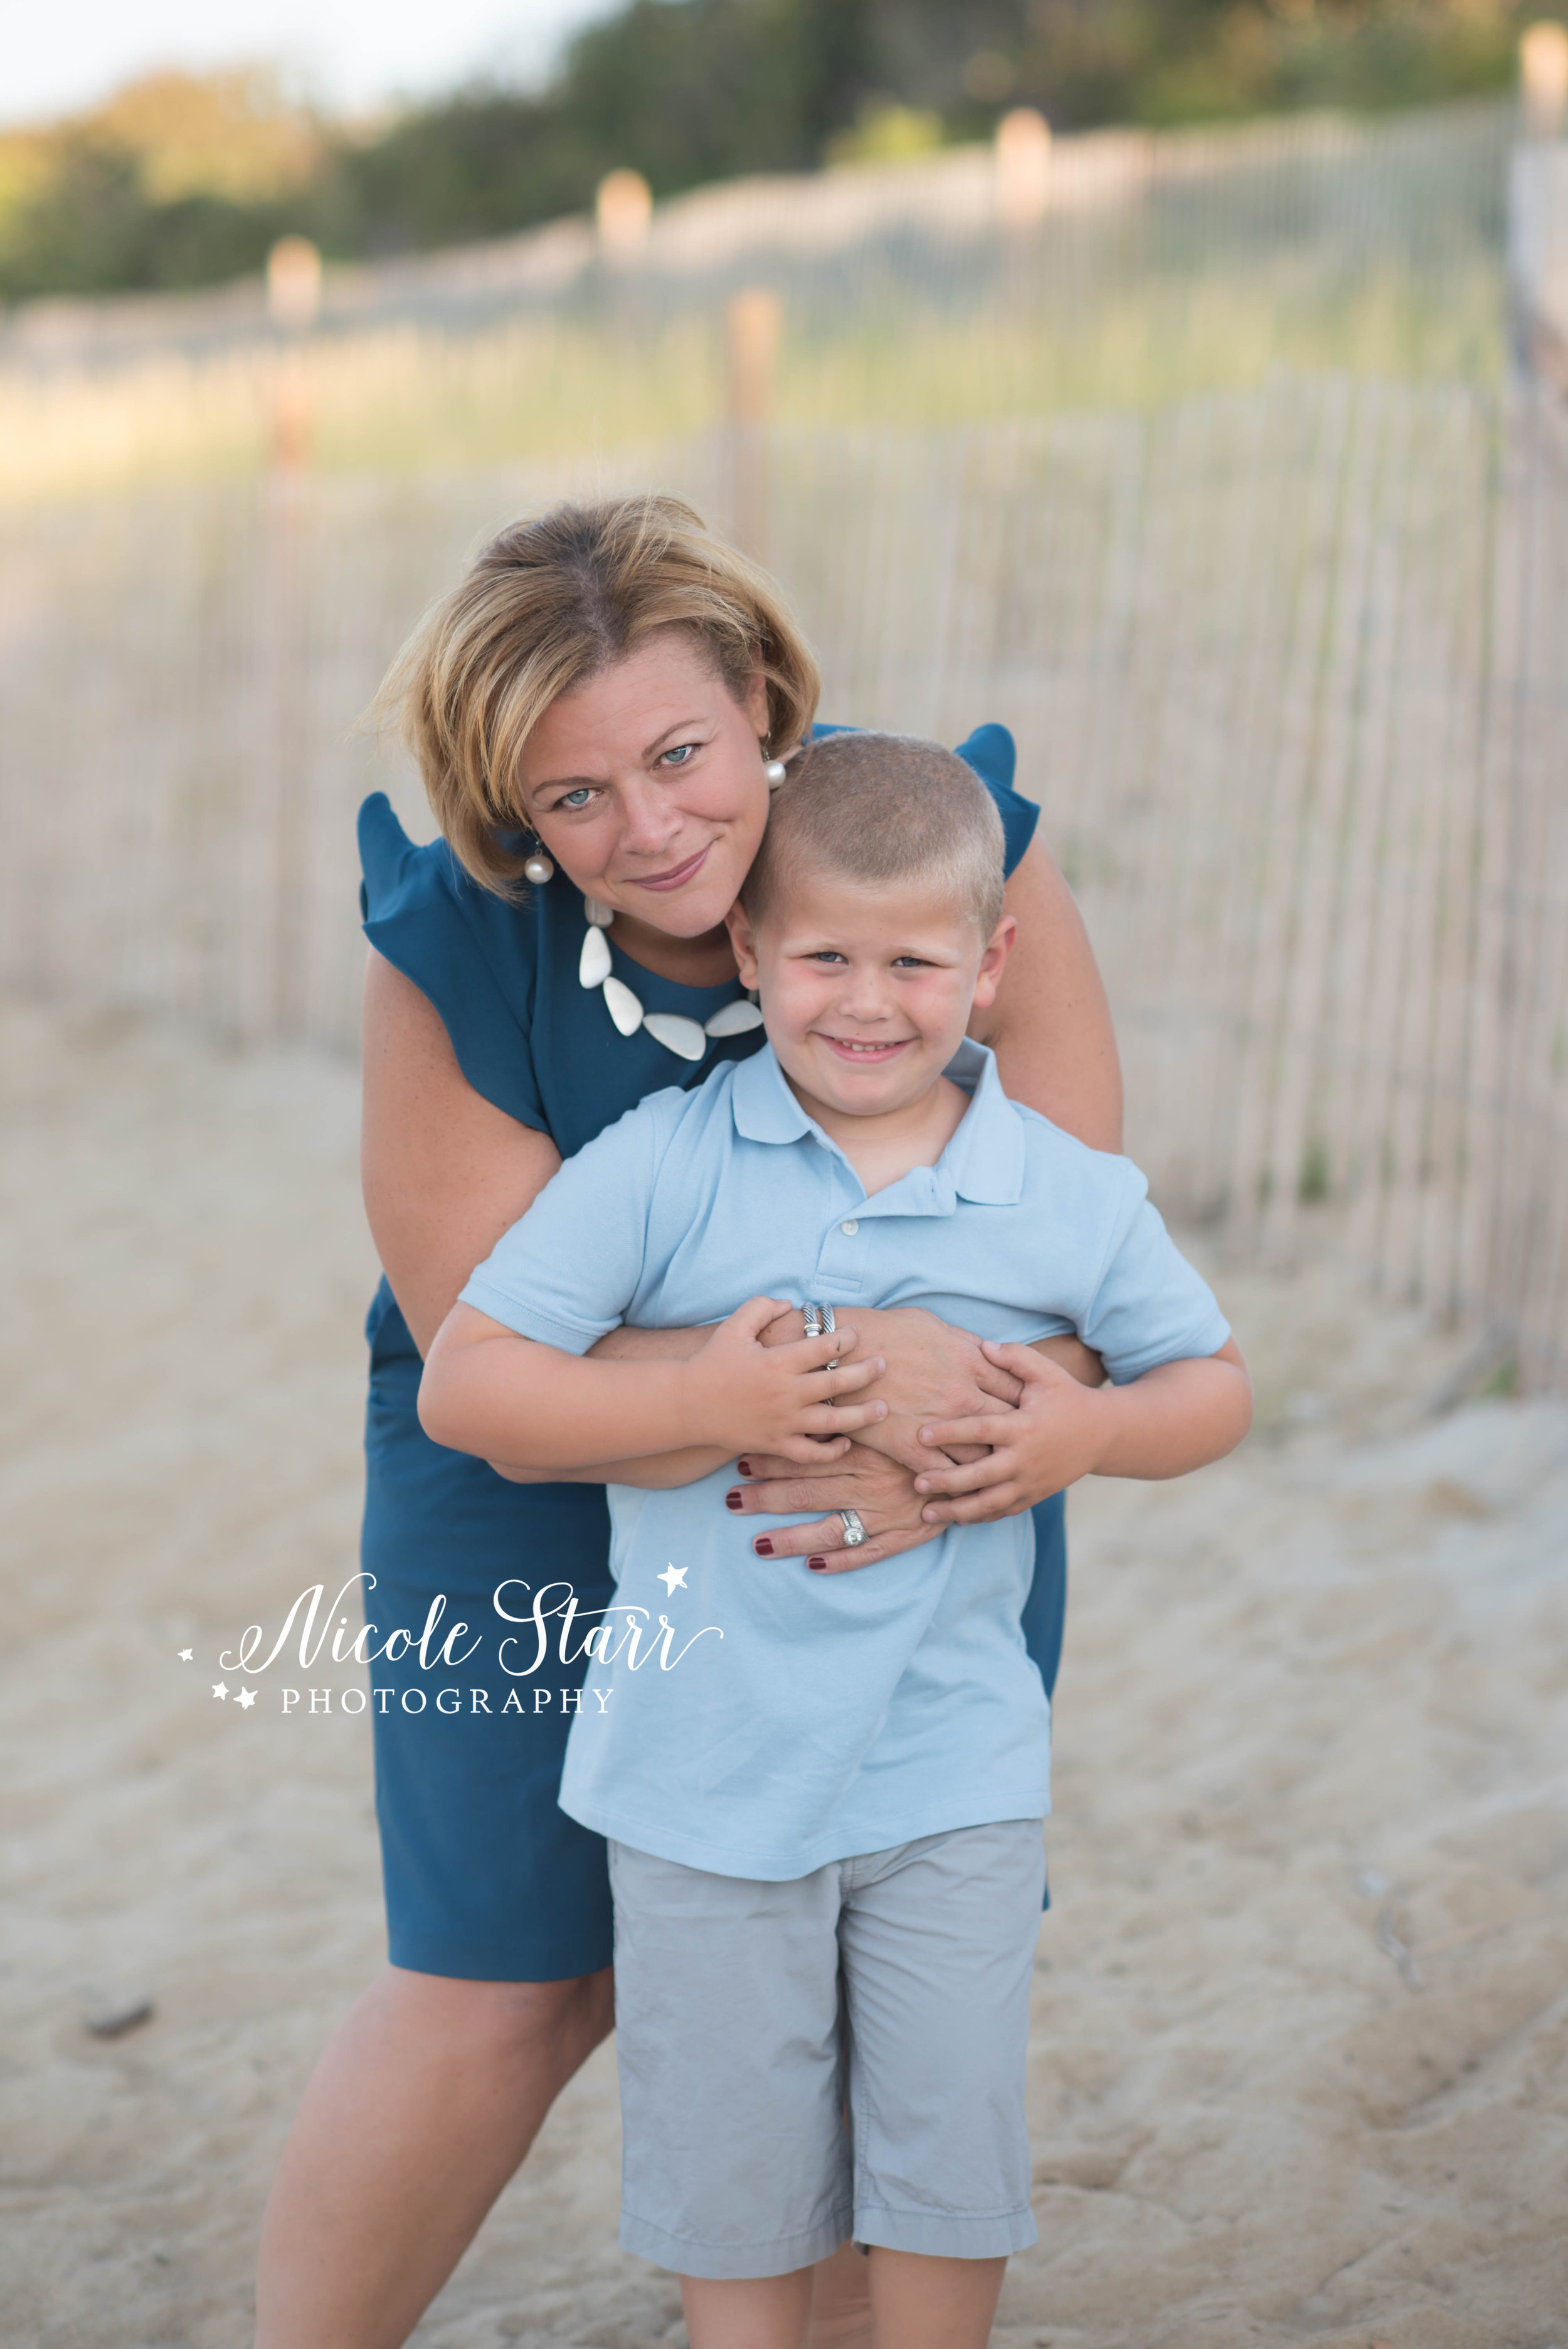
column 854, row 1532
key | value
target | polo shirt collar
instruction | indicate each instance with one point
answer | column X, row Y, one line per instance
column 986, row 1158
column 985, row 1161
column 764, row 1108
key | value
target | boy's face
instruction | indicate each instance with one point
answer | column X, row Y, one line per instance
column 866, row 992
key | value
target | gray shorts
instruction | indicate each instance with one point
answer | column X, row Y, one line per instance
column 747, row 2014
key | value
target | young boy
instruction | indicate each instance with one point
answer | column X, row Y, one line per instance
column 823, row 1794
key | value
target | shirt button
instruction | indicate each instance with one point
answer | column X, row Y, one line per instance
column 848, row 1227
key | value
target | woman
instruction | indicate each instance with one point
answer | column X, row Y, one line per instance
column 601, row 704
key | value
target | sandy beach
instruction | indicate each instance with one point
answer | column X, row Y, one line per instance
column 1300, row 2059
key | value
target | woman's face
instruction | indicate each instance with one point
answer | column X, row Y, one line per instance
column 646, row 785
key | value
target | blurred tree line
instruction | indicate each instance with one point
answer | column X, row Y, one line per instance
column 181, row 181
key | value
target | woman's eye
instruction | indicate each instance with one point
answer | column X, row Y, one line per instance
column 579, row 798
column 680, row 756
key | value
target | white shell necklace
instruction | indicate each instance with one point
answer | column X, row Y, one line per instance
column 689, row 1037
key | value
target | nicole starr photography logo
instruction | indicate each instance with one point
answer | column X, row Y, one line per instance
column 554, row 1629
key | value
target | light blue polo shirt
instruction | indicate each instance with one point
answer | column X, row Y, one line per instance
column 742, row 1714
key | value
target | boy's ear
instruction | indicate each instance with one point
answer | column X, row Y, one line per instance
column 743, row 939
column 992, row 961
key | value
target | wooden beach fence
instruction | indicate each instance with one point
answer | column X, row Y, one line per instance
column 1289, row 670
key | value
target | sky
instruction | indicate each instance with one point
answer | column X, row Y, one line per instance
column 353, row 55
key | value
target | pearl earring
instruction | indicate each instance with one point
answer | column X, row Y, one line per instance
column 775, row 772
column 537, row 868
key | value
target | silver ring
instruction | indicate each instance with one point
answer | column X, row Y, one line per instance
column 819, row 1320
column 854, row 1532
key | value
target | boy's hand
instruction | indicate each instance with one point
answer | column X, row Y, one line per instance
column 1173, row 1418
column 1052, row 1439
column 778, row 1399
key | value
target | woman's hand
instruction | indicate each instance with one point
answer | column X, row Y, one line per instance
column 932, row 1372
column 738, row 1391
column 881, row 1491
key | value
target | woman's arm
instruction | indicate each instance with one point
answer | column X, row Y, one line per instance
column 444, row 1171
column 1049, row 1026
column 657, row 1472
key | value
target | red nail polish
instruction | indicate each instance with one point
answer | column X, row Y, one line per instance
column 732, row 1498
column 744, row 1466
column 817, row 1565
column 762, row 1546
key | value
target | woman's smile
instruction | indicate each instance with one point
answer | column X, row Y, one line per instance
column 674, row 877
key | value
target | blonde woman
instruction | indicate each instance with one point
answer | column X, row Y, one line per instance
column 598, row 709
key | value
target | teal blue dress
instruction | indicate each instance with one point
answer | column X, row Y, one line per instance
column 486, row 1877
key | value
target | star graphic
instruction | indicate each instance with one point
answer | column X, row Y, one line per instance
column 246, row 1699
column 673, row 1579
column 219, row 1690
column 186, row 1654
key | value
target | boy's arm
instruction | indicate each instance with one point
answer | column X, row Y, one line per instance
column 656, row 1472
column 1175, row 1418
column 489, row 1389
column 659, row 1472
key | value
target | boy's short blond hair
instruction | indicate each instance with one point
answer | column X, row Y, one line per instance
column 880, row 808
column 546, row 606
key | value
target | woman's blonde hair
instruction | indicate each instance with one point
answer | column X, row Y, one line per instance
column 549, row 603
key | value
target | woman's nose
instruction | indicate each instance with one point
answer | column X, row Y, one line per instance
column 647, row 823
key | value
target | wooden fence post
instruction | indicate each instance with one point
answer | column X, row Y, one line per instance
column 753, row 320
column 623, row 215
column 1544, row 80
column 1023, row 167
column 279, row 843
column 294, row 303
column 1538, row 210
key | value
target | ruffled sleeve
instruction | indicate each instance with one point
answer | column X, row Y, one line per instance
column 471, row 952
column 994, row 755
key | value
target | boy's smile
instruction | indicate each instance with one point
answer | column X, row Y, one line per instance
column 852, row 1051
column 866, row 995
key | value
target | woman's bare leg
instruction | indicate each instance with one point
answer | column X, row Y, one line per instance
column 768, row 2312
column 929, row 2304
column 421, row 2107
column 840, row 2301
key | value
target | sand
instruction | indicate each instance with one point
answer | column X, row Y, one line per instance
column 1300, row 2065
